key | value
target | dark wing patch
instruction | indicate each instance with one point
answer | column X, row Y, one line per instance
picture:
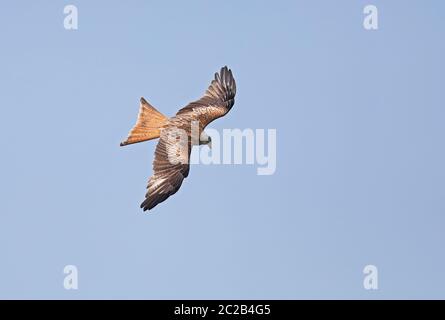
column 170, row 167
column 217, row 100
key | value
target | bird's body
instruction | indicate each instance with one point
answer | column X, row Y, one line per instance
column 178, row 134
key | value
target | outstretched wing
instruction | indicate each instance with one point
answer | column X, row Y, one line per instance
column 216, row 102
column 170, row 167
column 171, row 163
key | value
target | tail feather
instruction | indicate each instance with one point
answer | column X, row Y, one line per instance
column 148, row 125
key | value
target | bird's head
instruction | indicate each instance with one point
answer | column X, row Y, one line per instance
column 204, row 139
column 209, row 143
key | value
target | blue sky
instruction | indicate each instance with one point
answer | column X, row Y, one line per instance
column 360, row 178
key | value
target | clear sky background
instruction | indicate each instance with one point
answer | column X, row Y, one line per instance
column 360, row 173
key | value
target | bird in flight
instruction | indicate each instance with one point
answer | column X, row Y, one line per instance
column 178, row 134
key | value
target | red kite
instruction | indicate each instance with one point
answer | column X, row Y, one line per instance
column 171, row 160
